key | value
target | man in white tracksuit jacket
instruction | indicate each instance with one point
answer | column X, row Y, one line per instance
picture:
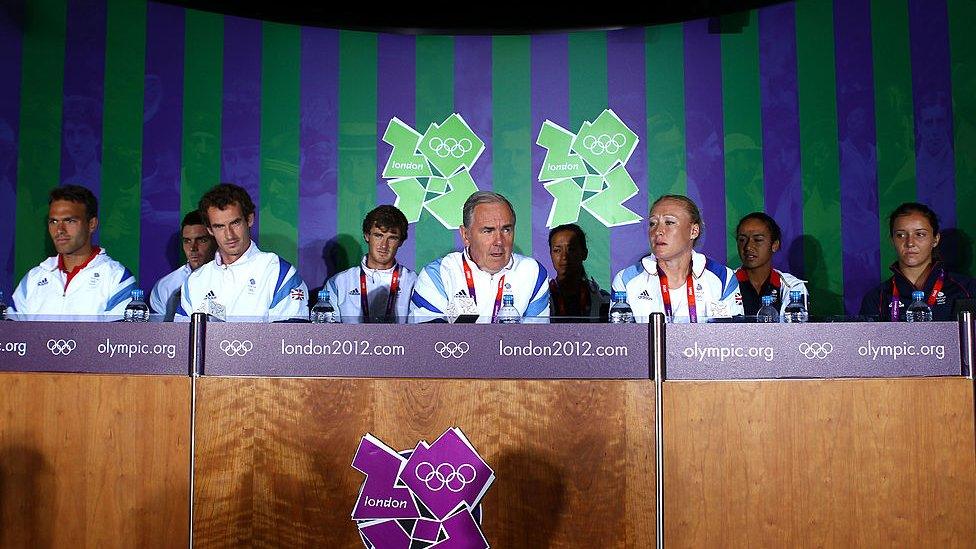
column 473, row 281
column 82, row 280
column 251, row 285
column 199, row 247
column 379, row 288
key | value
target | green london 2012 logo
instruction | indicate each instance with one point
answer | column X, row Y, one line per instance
column 432, row 171
column 587, row 170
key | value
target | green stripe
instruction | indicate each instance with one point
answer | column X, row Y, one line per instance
column 743, row 125
column 125, row 54
column 202, row 103
column 587, row 99
column 434, row 103
column 357, row 139
column 962, row 41
column 819, row 157
column 39, row 146
column 665, row 112
column 280, row 117
column 894, row 115
column 512, row 130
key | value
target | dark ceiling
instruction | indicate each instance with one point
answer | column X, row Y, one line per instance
column 466, row 17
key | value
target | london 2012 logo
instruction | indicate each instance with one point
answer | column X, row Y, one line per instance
column 588, row 170
column 432, row 171
column 426, row 497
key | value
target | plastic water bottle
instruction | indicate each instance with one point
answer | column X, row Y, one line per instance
column 3, row 307
column 767, row 313
column 508, row 314
column 323, row 312
column 919, row 310
column 795, row 311
column 136, row 310
column 620, row 311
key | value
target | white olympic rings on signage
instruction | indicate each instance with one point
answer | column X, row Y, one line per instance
column 604, row 143
column 451, row 349
column 450, row 146
column 815, row 350
column 235, row 347
column 61, row 346
column 445, row 475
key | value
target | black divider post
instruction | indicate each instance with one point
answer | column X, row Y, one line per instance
column 198, row 335
column 658, row 349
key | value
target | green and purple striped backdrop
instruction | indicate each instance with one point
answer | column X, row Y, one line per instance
column 824, row 114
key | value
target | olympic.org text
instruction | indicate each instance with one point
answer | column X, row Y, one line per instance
column 724, row 353
column 897, row 351
column 19, row 347
column 342, row 347
column 561, row 348
column 137, row 348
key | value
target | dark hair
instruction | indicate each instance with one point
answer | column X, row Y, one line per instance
column 774, row 231
column 388, row 218
column 910, row 208
column 222, row 196
column 573, row 228
column 192, row 217
column 76, row 193
column 690, row 207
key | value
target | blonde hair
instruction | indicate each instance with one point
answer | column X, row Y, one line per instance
column 690, row 207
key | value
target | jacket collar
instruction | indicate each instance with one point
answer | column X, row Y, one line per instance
column 649, row 263
column 251, row 251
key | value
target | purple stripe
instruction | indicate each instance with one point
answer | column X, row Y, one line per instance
column 84, row 77
column 704, row 130
column 550, row 100
column 781, row 130
column 12, row 39
column 395, row 96
column 318, row 183
column 162, row 143
column 240, row 127
column 472, row 100
column 928, row 23
column 472, row 97
column 627, row 97
column 858, row 150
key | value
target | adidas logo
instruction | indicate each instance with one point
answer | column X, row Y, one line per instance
column 645, row 295
column 462, row 293
column 354, row 291
column 42, row 282
column 210, row 295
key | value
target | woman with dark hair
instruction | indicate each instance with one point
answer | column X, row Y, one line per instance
column 674, row 279
column 572, row 293
column 757, row 238
column 914, row 231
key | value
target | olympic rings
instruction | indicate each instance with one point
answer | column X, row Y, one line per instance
column 445, row 475
column 235, row 347
column 604, row 143
column 450, row 146
column 451, row 349
column 815, row 350
column 61, row 346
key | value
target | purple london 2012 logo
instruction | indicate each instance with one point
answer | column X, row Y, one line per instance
column 427, row 497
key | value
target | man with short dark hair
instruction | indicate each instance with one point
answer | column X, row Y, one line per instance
column 247, row 283
column 199, row 248
column 82, row 279
column 474, row 281
column 378, row 289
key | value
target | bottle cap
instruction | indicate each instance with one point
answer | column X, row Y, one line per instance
column 137, row 294
column 619, row 295
column 918, row 295
column 767, row 300
column 323, row 295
